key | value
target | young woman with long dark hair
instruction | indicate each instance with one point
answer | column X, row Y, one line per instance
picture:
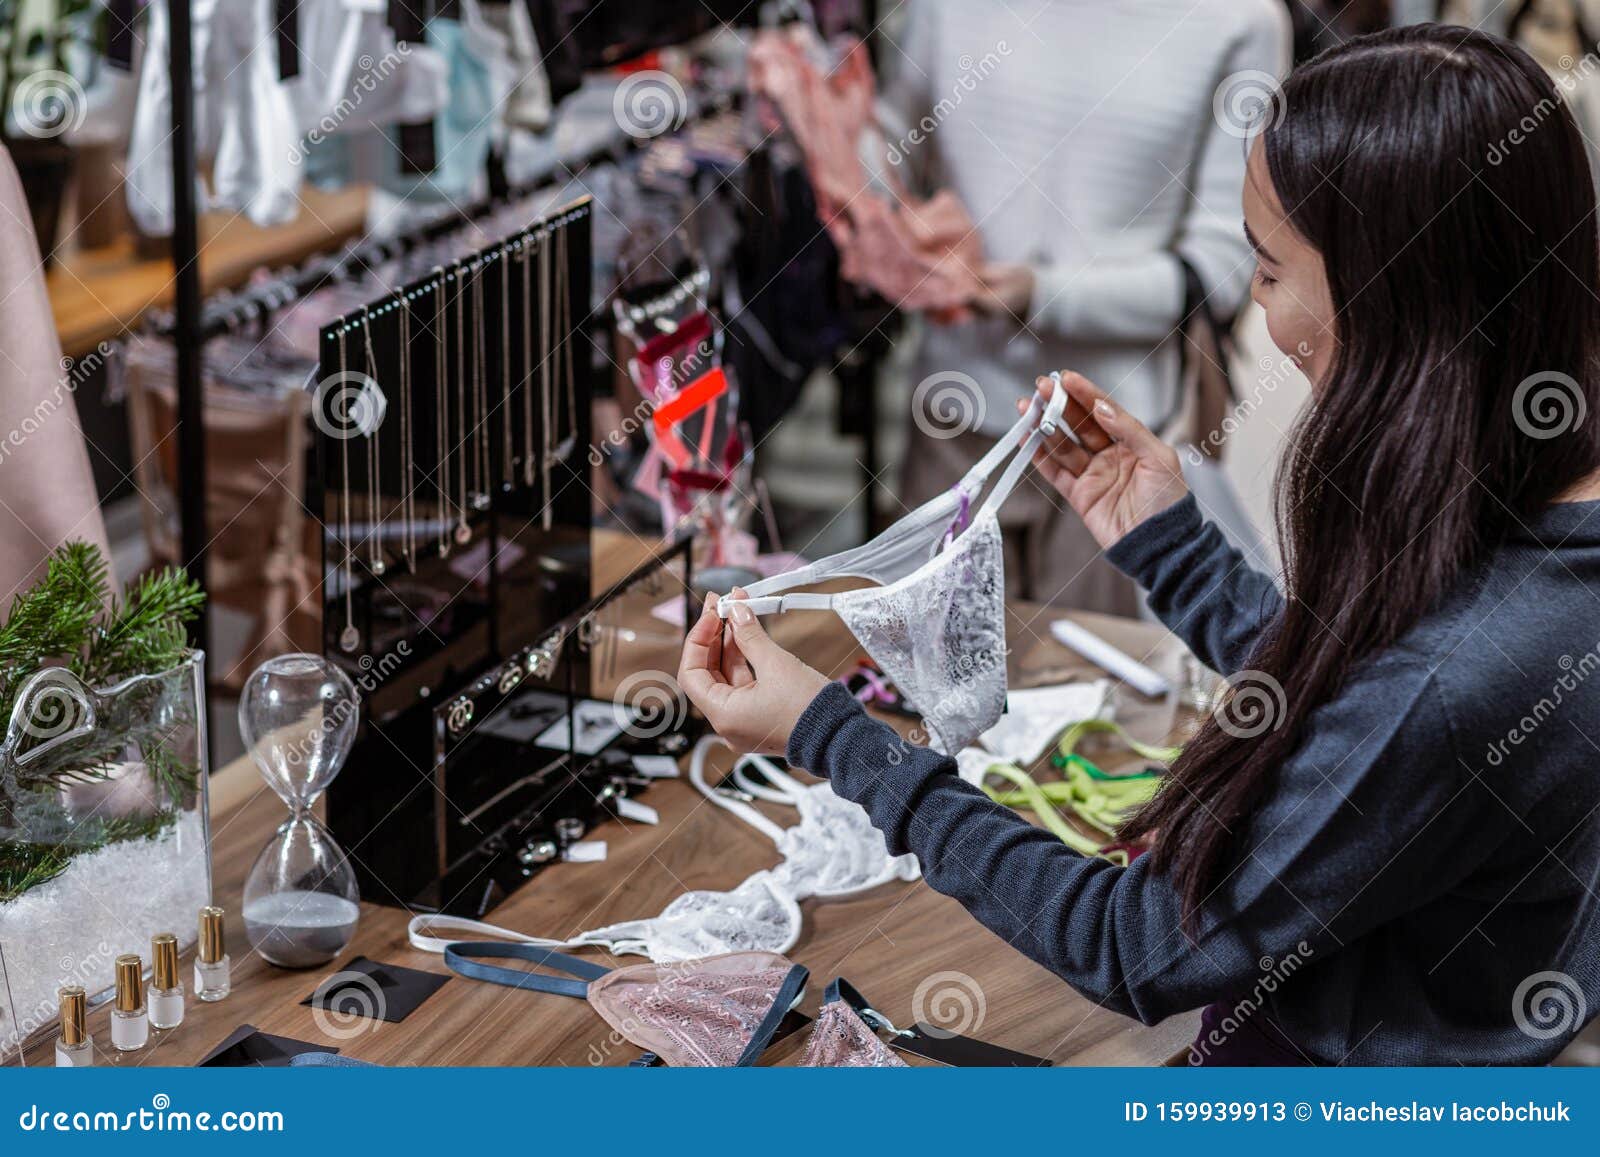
column 1416, row 821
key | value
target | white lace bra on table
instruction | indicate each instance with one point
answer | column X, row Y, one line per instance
column 936, row 624
column 832, row 853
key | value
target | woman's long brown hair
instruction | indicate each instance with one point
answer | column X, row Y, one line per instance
column 1441, row 176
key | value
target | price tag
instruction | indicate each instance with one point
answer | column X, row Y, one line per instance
column 632, row 809
column 656, row 766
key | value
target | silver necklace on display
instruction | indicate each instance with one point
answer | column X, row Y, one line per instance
column 463, row 532
column 507, row 432
column 372, row 414
column 529, row 472
column 480, row 394
column 349, row 638
column 408, row 457
column 564, row 300
column 545, row 355
column 441, row 374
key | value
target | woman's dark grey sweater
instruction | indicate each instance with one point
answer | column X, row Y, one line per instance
column 1419, row 887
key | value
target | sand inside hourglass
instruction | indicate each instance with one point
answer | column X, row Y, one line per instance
column 300, row 929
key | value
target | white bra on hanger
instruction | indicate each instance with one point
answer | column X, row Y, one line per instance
column 356, row 76
column 937, row 623
column 832, row 853
column 243, row 117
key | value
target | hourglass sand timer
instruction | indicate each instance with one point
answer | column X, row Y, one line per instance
column 298, row 716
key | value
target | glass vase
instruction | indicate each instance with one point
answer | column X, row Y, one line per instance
column 104, row 833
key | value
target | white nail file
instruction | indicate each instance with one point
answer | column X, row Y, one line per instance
column 1103, row 655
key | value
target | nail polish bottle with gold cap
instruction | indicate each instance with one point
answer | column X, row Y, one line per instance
column 166, row 990
column 130, row 1027
column 211, row 964
column 74, row 1048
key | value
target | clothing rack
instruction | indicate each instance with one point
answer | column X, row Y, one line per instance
column 226, row 314
column 187, row 313
column 194, row 322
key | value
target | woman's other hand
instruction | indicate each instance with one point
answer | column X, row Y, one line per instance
column 1006, row 290
column 1112, row 469
column 751, row 690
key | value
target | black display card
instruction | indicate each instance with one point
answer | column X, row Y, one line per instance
column 367, row 988
column 248, row 1047
column 960, row 1051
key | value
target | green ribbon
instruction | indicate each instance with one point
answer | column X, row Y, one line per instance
column 1072, row 736
column 1100, row 798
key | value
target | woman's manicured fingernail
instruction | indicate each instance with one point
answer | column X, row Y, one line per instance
column 742, row 615
column 1103, row 409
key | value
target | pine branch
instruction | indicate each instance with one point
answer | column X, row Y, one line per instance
column 145, row 632
column 70, row 618
column 25, row 866
column 55, row 618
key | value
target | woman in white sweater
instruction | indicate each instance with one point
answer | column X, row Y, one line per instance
column 1098, row 145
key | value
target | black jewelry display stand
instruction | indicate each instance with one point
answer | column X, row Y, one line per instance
column 515, row 807
column 477, row 608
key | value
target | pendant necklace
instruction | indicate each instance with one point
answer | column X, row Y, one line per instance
column 528, row 472
column 349, row 638
column 564, row 450
column 480, row 394
column 441, row 407
column 372, row 416
column 463, row 532
column 408, row 456
column 546, row 353
column 507, row 431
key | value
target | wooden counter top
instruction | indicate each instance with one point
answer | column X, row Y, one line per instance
column 887, row 943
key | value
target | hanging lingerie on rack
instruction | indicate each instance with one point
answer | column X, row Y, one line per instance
column 244, row 118
column 936, row 623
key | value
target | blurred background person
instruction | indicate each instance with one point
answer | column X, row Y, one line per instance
column 1100, row 148
column 47, row 494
